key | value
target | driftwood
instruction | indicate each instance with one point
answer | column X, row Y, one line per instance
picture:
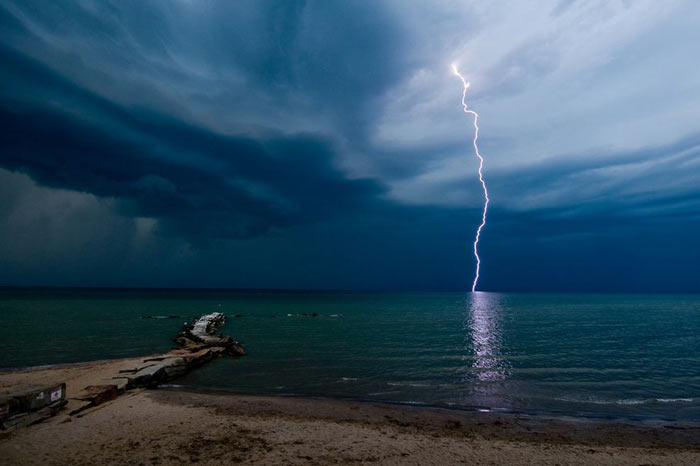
column 199, row 343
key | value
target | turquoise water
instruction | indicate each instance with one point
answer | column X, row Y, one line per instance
column 608, row 355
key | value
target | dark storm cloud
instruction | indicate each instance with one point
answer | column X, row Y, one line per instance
column 321, row 145
column 198, row 182
column 251, row 58
column 71, row 122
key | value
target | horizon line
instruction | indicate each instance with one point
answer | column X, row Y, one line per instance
column 326, row 290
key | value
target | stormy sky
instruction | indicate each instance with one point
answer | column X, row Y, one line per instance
column 317, row 144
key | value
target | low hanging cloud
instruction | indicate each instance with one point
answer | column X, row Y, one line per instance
column 194, row 181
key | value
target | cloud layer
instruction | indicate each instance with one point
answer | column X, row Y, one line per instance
column 218, row 132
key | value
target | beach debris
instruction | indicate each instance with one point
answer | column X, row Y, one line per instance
column 199, row 343
column 30, row 405
column 100, row 393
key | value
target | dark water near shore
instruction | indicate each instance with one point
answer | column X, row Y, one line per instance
column 610, row 355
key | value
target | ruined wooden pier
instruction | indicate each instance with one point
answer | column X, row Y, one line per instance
column 198, row 343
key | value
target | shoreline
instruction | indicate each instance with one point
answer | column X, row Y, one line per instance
column 89, row 366
column 173, row 425
column 508, row 425
column 551, row 414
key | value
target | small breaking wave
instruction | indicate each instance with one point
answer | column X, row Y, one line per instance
column 408, row 384
column 629, row 401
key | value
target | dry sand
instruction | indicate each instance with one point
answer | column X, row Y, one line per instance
column 163, row 427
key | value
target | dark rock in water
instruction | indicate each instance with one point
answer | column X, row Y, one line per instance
column 314, row 314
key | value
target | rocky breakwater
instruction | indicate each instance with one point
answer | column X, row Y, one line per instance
column 198, row 343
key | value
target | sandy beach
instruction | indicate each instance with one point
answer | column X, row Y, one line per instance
column 166, row 426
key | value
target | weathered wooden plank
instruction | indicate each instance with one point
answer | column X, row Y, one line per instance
column 31, row 403
column 99, row 394
column 121, row 383
column 147, row 377
column 32, row 417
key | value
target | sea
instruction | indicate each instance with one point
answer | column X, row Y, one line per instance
column 595, row 355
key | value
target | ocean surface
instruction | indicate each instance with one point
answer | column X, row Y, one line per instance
column 581, row 354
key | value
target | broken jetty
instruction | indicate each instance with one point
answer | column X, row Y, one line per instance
column 198, row 343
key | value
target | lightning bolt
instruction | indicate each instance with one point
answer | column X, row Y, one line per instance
column 465, row 85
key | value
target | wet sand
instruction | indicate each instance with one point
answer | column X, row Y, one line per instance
column 164, row 427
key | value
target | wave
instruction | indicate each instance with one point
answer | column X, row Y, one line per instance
column 629, row 401
column 408, row 384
